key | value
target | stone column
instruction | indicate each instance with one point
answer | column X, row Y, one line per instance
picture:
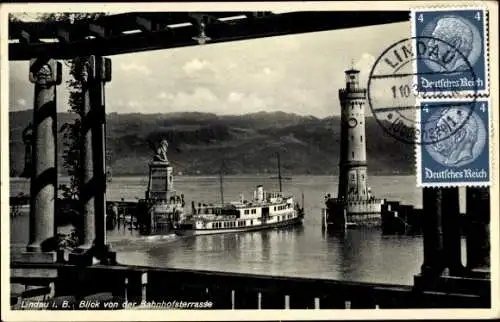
column 46, row 75
column 88, row 188
column 433, row 232
column 94, row 73
column 451, row 222
column 101, row 73
column 478, row 228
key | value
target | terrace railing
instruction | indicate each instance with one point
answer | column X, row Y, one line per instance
column 141, row 285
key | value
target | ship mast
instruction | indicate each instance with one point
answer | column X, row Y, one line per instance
column 279, row 170
column 221, row 183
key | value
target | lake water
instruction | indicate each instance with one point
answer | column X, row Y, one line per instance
column 304, row 251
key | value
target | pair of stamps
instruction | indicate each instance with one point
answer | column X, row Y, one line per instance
column 432, row 90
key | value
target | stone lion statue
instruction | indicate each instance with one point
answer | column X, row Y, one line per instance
column 161, row 152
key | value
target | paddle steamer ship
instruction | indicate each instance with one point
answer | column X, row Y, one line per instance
column 266, row 210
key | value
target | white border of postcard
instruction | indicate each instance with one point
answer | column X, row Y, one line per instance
column 191, row 315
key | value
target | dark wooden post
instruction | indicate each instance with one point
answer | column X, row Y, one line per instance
column 46, row 75
column 478, row 228
column 144, row 286
column 433, row 232
column 451, row 222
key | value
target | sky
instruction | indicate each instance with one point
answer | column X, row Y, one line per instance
column 296, row 74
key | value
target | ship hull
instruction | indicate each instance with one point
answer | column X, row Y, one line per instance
column 199, row 232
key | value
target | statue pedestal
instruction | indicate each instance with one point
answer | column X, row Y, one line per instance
column 160, row 180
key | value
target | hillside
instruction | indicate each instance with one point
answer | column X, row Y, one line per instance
column 247, row 143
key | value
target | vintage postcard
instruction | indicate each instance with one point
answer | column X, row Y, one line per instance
column 249, row 161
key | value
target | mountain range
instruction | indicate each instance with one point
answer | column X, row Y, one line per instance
column 203, row 143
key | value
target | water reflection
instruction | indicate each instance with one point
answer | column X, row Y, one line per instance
column 295, row 251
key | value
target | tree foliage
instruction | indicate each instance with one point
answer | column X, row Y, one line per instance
column 71, row 133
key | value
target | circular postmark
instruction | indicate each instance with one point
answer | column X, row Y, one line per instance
column 397, row 88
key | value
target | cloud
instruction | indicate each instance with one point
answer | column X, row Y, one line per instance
column 235, row 97
column 295, row 73
column 21, row 102
column 267, row 71
column 199, row 98
column 134, row 104
column 204, row 99
column 364, row 64
column 134, row 67
column 195, row 65
column 255, row 102
column 163, row 96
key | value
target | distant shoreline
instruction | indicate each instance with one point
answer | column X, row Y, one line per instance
column 241, row 175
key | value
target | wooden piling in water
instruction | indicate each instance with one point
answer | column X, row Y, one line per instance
column 144, row 284
column 316, row 303
column 125, row 295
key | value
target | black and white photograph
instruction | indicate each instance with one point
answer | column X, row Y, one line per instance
column 308, row 160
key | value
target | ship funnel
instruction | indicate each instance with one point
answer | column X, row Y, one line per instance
column 260, row 193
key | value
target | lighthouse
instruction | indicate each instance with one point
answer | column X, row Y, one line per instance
column 355, row 205
column 353, row 177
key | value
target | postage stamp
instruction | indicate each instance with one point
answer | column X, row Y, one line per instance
column 440, row 69
column 457, row 150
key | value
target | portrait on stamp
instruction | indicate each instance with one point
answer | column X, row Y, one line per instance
column 451, row 37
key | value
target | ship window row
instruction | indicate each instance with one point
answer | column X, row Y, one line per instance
column 280, row 207
column 226, row 224
column 231, row 224
column 248, row 211
column 284, row 217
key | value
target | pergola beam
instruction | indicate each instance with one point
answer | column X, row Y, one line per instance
column 98, row 30
column 63, row 35
column 74, row 38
